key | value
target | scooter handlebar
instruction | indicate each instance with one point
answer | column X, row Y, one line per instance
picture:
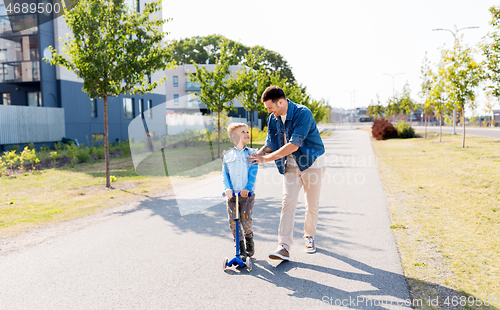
column 239, row 194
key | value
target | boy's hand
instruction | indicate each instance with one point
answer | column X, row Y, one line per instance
column 244, row 193
column 229, row 193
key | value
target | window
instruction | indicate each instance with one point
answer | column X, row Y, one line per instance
column 93, row 108
column 176, row 81
column 34, row 99
column 176, row 99
column 6, row 98
column 150, row 108
column 128, row 107
column 141, row 107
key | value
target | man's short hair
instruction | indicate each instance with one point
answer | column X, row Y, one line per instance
column 273, row 93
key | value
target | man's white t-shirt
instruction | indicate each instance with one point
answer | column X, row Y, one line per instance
column 320, row 162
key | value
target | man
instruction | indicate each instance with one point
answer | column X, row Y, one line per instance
column 294, row 143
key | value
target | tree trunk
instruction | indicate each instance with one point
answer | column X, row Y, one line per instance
column 218, row 134
column 425, row 128
column 251, row 126
column 440, row 126
column 463, row 124
column 106, row 141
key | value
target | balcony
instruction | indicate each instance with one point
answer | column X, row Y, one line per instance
column 192, row 86
column 195, row 104
column 20, row 71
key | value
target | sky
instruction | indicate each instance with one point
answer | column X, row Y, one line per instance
column 340, row 50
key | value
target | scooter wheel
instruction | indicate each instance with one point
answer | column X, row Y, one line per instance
column 249, row 264
column 224, row 267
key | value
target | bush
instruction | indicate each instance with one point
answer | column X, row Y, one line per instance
column 83, row 155
column 54, row 156
column 10, row 159
column 3, row 167
column 405, row 130
column 59, row 146
column 383, row 129
column 99, row 152
column 14, row 148
column 72, row 152
column 29, row 156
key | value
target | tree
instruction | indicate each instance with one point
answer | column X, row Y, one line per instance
column 438, row 97
column 369, row 110
column 378, row 109
column 272, row 62
column 462, row 75
column 217, row 88
column 489, row 105
column 491, row 51
column 298, row 94
column 202, row 49
column 393, row 107
column 250, row 82
column 426, row 87
column 406, row 104
column 208, row 48
column 113, row 49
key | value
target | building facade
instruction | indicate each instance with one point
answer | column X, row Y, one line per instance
column 27, row 80
column 180, row 93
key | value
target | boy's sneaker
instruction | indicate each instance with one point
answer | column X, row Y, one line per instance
column 280, row 253
column 243, row 254
column 250, row 249
column 310, row 248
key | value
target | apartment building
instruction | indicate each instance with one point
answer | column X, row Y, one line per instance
column 33, row 88
column 180, row 93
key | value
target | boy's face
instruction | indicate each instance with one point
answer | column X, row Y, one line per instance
column 241, row 135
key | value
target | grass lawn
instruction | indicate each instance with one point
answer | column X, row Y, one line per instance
column 34, row 199
column 445, row 207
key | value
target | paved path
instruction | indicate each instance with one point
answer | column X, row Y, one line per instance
column 153, row 258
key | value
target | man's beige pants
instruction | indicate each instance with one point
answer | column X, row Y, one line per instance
column 293, row 180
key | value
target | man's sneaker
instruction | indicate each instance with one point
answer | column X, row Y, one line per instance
column 249, row 247
column 280, row 253
column 243, row 254
column 310, row 248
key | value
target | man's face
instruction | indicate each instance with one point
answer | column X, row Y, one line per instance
column 276, row 108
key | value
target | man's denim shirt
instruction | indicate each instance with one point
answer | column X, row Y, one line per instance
column 300, row 130
column 237, row 172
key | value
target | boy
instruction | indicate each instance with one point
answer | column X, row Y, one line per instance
column 239, row 177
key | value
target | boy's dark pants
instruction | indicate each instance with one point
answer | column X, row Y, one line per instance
column 246, row 208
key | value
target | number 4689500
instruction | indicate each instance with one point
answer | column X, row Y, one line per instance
column 27, row 8
column 470, row 301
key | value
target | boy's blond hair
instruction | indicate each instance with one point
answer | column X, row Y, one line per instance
column 232, row 127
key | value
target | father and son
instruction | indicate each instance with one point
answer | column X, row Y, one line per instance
column 294, row 143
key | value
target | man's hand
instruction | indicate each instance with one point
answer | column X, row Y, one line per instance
column 256, row 159
column 244, row 193
column 229, row 193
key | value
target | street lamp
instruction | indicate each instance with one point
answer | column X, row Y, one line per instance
column 455, row 42
column 393, row 75
column 352, row 109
